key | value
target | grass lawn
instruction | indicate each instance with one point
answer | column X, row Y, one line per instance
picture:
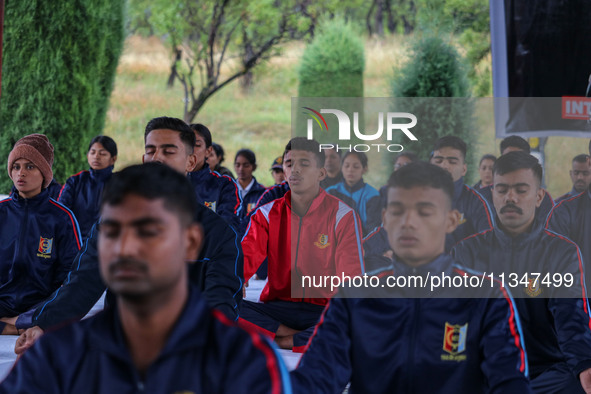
column 261, row 120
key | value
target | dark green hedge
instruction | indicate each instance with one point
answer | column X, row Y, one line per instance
column 59, row 65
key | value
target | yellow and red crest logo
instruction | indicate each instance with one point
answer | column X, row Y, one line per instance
column 533, row 290
column 454, row 338
column 322, row 241
column 45, row 245
column 210, row 204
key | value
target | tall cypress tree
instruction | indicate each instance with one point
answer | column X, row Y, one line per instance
column 433, row 85
column 59, row 67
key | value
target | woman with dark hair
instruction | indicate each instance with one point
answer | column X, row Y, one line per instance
column 245, row 163
column 356, row 193
column 215, row 160
column 485, row 169
column 82, row 192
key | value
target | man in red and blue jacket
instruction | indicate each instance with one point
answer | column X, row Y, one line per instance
column 390, row 338
column 306, row 235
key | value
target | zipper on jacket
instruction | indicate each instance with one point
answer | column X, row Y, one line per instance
column 295, row 266
column 24, row 229
column 412, row 343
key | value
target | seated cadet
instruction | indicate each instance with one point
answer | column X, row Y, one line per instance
column 215, row 160
column 485, row 170
column 396, row 343
column 572, row 217
column 511, row 144
column 449, row 153
column 82, row 192
column 160, row 335
column 277, row 170
column 218, row 193
column 306, row 233
column 332, row 164
column 580, row 175
column 217, row 271
column 357, row 194
column 245, row 163
column 39, row 237
column 554, row 316
column 399, row 161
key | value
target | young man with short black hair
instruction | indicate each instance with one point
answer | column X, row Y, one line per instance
column 449, row 153
column 515, row 143
column 306, row 233
column 555, row 319
column 580, row 175
column 572, row 217
column 217, row 270
column 160, row 336
column 382, row 340
column 217, row 192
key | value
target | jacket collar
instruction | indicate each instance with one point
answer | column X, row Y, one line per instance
column 507, row 240
column 458, row 188
column 442, row 263
column 189, row 330
column 201, row 174
column 318, row 200
column 355, row 187
column 30, row 202
column 101, row 175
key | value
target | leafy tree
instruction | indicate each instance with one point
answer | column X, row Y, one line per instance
column 433, row 85
column 58, row 70
column 215, row 42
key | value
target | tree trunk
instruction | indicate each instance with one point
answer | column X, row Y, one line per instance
column 392, row 24
column 368, row 17
column 408, row 26
column 247, row 80
column 379, row 18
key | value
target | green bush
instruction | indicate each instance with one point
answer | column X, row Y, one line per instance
column 435, row 69
column 333, row 64
column 58, row 71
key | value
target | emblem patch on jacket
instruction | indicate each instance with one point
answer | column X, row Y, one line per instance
column 454, row 342
column 250, row 206
column 462, row 219
column 210, row 204
column 45, row 246
column 533, row 290
column 322, row 241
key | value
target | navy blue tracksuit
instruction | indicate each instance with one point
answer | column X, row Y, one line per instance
column 555, row 319
column 204, row 353
column 415, row 345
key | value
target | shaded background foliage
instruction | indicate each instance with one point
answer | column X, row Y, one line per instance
column 58, row 71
